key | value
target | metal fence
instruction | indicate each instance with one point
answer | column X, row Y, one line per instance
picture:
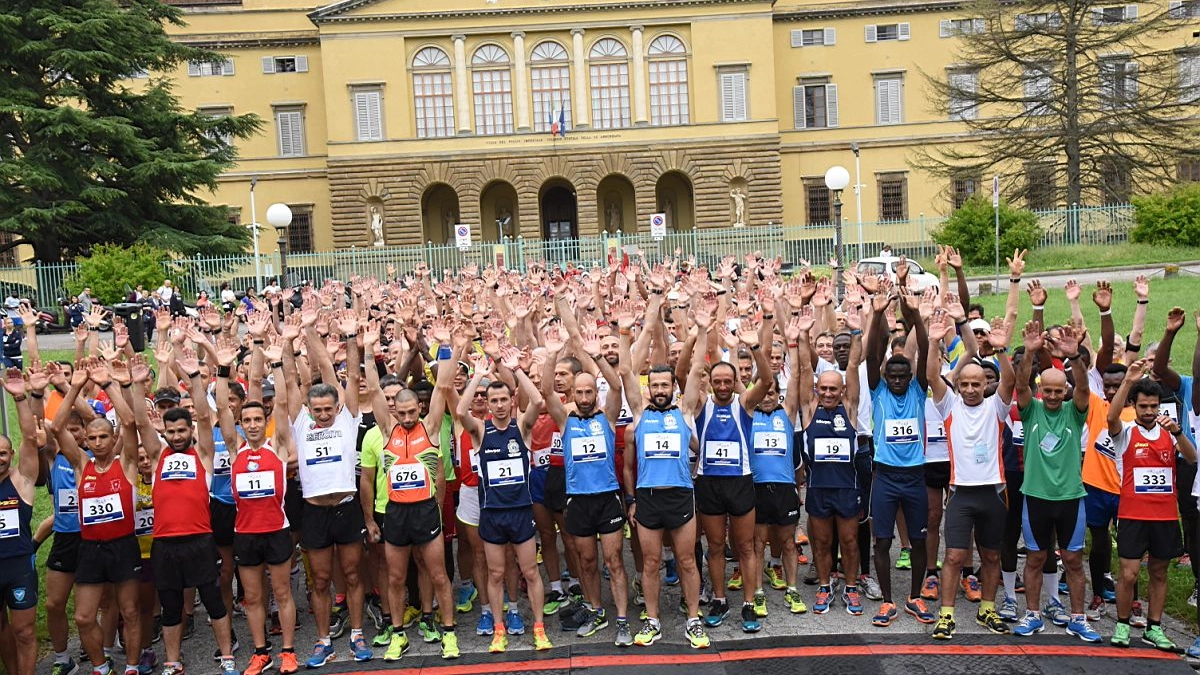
column 1074, row 225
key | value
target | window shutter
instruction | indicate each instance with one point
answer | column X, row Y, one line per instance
column 902, row 31
column 798, row 107
column 733, row 96
column 193, row 69
column 291, row 133
column 882, row 93
column 830, row 36
column 797, row 38
column 1131, row 12
column 1054, row 20
column 1189, row 77
column 268, row 65
column 368, row 116
column 1175, row 9
column 1131, row 83
column 227, row 67
column 301, row 64
column 1097, row 15
column 944, row 28
column 979, row 25
column 870, row 32
column 831, row 105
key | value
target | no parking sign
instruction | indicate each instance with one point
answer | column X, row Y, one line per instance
column 462, row 236
column 658, row 225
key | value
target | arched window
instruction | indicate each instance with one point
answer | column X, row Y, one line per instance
column 433, row 93
column 551, row 78
column 668, row 81
column 609, row 68
column 491, row 74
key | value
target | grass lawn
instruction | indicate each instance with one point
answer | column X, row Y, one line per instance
column 1085, row 256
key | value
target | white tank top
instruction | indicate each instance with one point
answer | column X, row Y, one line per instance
column 326, row 454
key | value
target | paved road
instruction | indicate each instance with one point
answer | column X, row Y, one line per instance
column 1089, row 277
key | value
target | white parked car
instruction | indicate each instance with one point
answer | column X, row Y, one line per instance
column 919, row 279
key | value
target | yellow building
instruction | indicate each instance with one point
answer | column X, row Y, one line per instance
column 389, row 121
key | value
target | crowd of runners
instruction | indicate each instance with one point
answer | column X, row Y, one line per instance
column 415, row 447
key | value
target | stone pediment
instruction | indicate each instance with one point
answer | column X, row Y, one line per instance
column 417, row 10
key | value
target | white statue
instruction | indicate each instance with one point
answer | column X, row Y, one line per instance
column 614, row 217
column 504, row 222
column 739, row 207
column 377, row 226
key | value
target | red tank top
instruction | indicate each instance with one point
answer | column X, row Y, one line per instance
column 258, row 489
column 467, row 461
column 409, row 479
column 1148, row 478
column 545, row 443
column 180, row 495
column 105, row 503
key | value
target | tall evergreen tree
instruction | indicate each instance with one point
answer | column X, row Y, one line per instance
column 90, row 155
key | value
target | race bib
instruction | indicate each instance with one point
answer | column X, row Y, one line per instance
column 68, row 501
column 935, row 431
column 831, row 450
column 1170, row 409
column 541, row 458
column 222, row 464
column 178, row 467
column 255, row 484
column 662, row 446
column 1048, row 443
column 408, row 476
column 323, row 454
column 902, row 430
column 723, row 453
column 143, row 522
column 505, row 472
column 1104, row 445
column 106, row 509
column 10, row 523
column 1018, row 432
column 588, row 449
column 475, row 462
column 1153, row 480
column 556, row 444
column 770, row 443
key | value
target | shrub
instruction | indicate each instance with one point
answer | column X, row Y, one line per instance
column 112, row 270
column 972, row 230
column 1171, row 219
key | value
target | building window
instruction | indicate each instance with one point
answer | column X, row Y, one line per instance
column 1040, row 189
column 217, row 112
column 889, row 98
column 1114, row 14
column 668, row 82
column 289, row 123
column 1189, row 170
column 1038, row 90
column 1189, row 77
column 300, row 232
column 964, row 189
column 815, row 105
column 818, row 203
column 1037, row 21
column 368, row 113
column 1116, row 180
column 963, row 90
column 893, row 196
column 1118, row 83
column 814, row 37
column 551, row 80
column 8, row 257
column 284, row 64
column 1185, row 9
column 609, row 68
column 733, row 94
column 887, row 32
column 210, row 68
column 433, row 93
column 492, row 80
column 953, row 27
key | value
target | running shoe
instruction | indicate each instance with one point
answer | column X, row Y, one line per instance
column 321, row 654
column 259, row 663
column 288, row 664
column 464, row 598
column 1058, row 615
column 170, row 668
column 884, row 617
column 624, row 636
column 1193, row 652
column 989, row 619
column 870, row 587
column 1008, row 609
column 1030, row 624
column 1192, row 598
column 234, row 646
column 853, row 600
column 671, row 573
column 696, row 636
column 750, row 622
column 513, row 624
column 499, row 643
column 1080, row 628
column 384, row 638
column 597, row 620
column 970, row 586
column 337, row 621
column 1063, row 588
column 486, row 624
column 540, row 640
column 801, row 538
column 919, row 610
column 904, row 562
column 735, row 581
column 810, row 577
column 1155, row 637
column 374, row 610
column 1096, row 608
column 718, row 609
column 1109, row 592
column 821, row 604
column 360, row 648
column 411, row 616
column 944, row 629
column 68, row 668
column 1120, row 636
column 775, row 577
column 794, row 602
column 760, row 604
column 931, row 589
column 639, row 598
column 648, row 634
column 228, row 667
column 553, row 602
column 450, row 645
column 572, row 616
column 429, row 631
column 147, row 661
column 1137, row 616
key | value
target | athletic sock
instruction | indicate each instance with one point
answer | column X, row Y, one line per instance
column 556, row 585
column 1010, row 583
column 1050, row 585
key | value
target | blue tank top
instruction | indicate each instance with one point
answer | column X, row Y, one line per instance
column 16, row 535
column 663, row 441
column 221, row 487
column 503, row 467
column 65, row 495
column 589, row 455
column 831, row 444
column 723, row 446
column 772, row 455
column 899, row 425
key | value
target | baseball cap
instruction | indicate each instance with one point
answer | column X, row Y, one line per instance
column 980, row 324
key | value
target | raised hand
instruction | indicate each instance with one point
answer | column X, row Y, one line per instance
column 38, row 377
column 1141, row 287
column 120, row 336
column 902, row 272
column 273, row 352
column 999, row 335
column 1016, row 264
column 1136, row 370
column 728, row 339
column 1033, row 336
column 79, row 374
column 554, row 338
column 28, row 316
column 210, row 318
column 940, row 325
column 1102, row 296
column 119, row 372
column 81, row 333
column 748, row 334
column 953, row 307
column 854, row 317
column 227, row 351
column 1068, row 340
column 163, row 354
column 107, row 351
column 94, row 317
column 954, row 257
column 510, row 357
column 1175, row 319
column 705, row 310
column 591, row 342
column 97, row 372
column 139, row 370
column 805, row 320
column 1073, row 290
column 1037, row 294
column 291, row 327
column 186, row 359
column 14, row 383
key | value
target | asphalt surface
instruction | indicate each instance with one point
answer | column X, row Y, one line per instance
column 1088, row 277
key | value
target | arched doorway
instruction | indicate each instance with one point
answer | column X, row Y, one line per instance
column 498, row 211
column 673, row 196
column 560, row 215
column 616, row 205
column 439, row 213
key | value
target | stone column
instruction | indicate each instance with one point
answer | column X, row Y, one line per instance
column 639, row 78
column 582, row 104
column 521, row 77
column 462, row 90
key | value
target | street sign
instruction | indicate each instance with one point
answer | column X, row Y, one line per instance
column 658, row 225
column 498, row 255
column 462, row 236
column 995, row 192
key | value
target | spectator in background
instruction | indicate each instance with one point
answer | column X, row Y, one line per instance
column 175, row 303
column 166, row 291
column 85, row 299
column 272, row 287
column 228, row 297
column 12, row 345
column 136, row 295
column 202, row 300
column 12, row 305
column 250, row 298
column 74, row 311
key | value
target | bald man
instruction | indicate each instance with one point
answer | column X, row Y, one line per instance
column 1053, row 487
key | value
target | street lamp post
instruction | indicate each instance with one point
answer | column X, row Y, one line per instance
column 254, row 227
column 279, row 216
column 836, row 179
